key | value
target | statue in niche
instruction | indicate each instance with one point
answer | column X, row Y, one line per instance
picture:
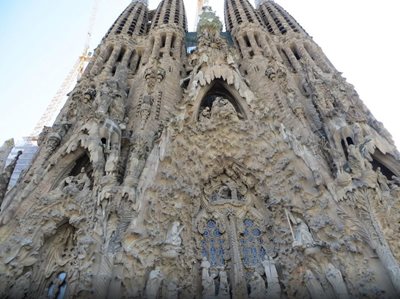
column 301, row 234
column 257, row 286
column 74, row 184
column 207, row 279
column 173, row 237
column 111, row 165
column 335, row 278
column 205, row 115
column 105, row 97
column 145, row 109
column 356, row 161
column 137, row 160
column 173, row 241
column 223, row 109
column 153, row 283
column 274, row 289
column 223, row 290
column 226, row 193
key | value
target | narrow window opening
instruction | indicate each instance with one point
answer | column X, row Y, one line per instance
column 131, row 59
column 295, row 52
column 163, row 39
column 344, row 147
column 138, row 62
column 108, row 53
column 113, row 70
column 173, row 40
column 246, row 40
column 386, row 164
column 286, row 60
column 256, row 37
column 349, row 141
column 121, row 54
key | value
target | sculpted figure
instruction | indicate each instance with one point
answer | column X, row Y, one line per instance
column 223, row 109
column 153, row 283
column 173, row 237
column 257, row 287
column 223, row 291
column 205, row 114
column 303, row 237
column 301, row 234
column 207, row 280
column 274, row 289
column 335, row 278
column 145, row 109
column 356, row 161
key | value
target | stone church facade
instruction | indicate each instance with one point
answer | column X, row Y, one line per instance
column 245, row 168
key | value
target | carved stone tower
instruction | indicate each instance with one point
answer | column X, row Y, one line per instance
column 247, row 168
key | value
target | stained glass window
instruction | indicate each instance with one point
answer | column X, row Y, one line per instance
column 58, row 288
column 251, row 244
column 213, row 244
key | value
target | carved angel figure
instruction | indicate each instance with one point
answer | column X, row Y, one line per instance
column 173, row 235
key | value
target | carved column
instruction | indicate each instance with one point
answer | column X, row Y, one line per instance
column 239, row 288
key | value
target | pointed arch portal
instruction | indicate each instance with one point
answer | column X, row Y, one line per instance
column 219, row 88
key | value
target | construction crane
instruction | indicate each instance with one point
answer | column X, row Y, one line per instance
column 74, row 74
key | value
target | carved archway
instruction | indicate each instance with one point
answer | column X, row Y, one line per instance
column 78, row 160
column 219, row 88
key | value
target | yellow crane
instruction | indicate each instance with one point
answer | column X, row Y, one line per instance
column 76, row 71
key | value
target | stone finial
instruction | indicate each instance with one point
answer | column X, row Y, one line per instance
column 145, row 2
column 259, row 2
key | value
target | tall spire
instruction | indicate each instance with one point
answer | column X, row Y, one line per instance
column 238, row 12
column 276, row 19
column 170, row 12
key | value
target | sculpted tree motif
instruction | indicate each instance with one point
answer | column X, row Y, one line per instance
column 359, row 209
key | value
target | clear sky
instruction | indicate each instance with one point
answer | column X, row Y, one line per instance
column 41, row 39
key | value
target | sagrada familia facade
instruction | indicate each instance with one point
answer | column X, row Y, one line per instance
column 243, row 166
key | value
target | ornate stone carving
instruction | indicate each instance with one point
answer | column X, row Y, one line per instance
column 257, row 286
column 274, row 289
column 153, row 284
column 335, row 278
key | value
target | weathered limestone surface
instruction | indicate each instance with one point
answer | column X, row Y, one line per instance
column 250, row 170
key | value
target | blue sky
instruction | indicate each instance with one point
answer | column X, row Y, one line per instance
column 41, row 39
